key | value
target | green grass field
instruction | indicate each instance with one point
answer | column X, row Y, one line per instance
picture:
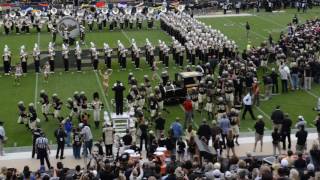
column 64, row 84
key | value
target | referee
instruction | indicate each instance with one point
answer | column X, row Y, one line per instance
column 42, row 149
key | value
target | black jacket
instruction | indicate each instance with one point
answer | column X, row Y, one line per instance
column 286, row 125
column 60, row 135
column 277, row 116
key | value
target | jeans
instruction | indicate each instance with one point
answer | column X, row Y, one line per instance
column 188, row 118
column 68, row 138
column 76, row 151
column 295, row 81
column 284, row 83
column 87, row 146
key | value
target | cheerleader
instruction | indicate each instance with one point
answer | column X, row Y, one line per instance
column 18, row 74
column 105, row 80
column 23, row 59
column 96, row 106
column 22, row 114
column 46, row 71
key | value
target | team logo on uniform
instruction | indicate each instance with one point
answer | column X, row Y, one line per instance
column 72, row 26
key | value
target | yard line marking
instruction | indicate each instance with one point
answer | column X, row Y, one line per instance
column 249, row 129
column 36, row 91
column 265, row 114
column 266, row 19
column 102, row 91
column 258, row 34
column 126, row 35
column 312, row 94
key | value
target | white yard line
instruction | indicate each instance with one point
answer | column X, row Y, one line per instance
column 265, row 114
column 312, row 94
column 251, row 31
column 36, row 91
column 102, row 91
column 126, row 35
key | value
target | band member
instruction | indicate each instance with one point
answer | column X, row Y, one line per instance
column 105, row 80
column 46, row 71
column 150, row 21
column 66, row 35
column 194, row 98
column 121, row 20
column 118, row 89
column 57, row 105
column 136, row 56
column 45, row 104
column 6, row 60
column 18, row 24
column 131, row 20
column 22, row 114
column 107, row 55
column 229, row 91
column 65, row 56
column 112, row 21
column 94, row 56
column 83, row 103
column 37, row 24
column 77, row 54
column 100, row 21
column 181, row 55
column 52, row 54
column 23, row 59
column 72, row 107
column 90, row 20
column 36, row 57
column 82, row 34
column 166, row 50
column 18, row 74
column 96, row 106
column 7, row 24
column 54, row 34
column 123, row 56
column 139, row 21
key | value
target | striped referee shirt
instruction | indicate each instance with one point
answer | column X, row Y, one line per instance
column 42, row 143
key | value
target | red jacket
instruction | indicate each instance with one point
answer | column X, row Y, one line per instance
column 187, row 104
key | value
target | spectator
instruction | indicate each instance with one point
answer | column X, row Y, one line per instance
column 190, row 132
column 159, row 125
column 230, row 143
column 224, row 125
column 300, row 163
column 176, row 128
column 317, row 124
column 108, row 138
column 259, row 129
column 181, row 149
column 76, row 143
column 144, row 135
column 277, row 117
column 286, row 131
column 127, row 139
column 188, row 109
column 284, row 78
column 307, row 75
column 315, row 155
column 301, row 140
column 204, row 131
column 276, row 141
column 87, row 138
column 274, row 77
column 301, row 122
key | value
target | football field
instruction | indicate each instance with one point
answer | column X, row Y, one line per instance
column 64, row 84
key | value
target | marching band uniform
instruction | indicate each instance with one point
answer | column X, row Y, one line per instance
column 166, row 55
column 90, row 20
column 36, row 57
column 52, row 54
column 100, row 21
column 123, row 54
column 32, row 117
column 150, row 21
column 6, row 60
column 131, row 19
column 107, row 55
column 94, row 57
column 23, row 59
column 111, row 20
column 139, row 22
column 96, row 106
column 82, row 33
column 181, row 54
column 78, row 52
column 7, row 24
column 136, row 54
column 65, row 56
column 194, row 98
column 57, row 105
column 118, row 88
column 54, row 34
column 121, row 20
column 66, row 34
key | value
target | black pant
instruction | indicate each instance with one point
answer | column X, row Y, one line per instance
column 33, row 148
column 95, row 64
column 6, row 65
column 119, row 107
column 247, row 108
column 51, row 63
column 145, row 138
column 284, row 136
column 60, row 149
column 137, row 62
column 224, row 138
column 43, row 155
column 123, row 62
column 109, row 150
column 79, row 64
column 66, row 64
column 37, row 66
column 166, row 60
column 24, row 67
column 284, row 84
column 275, row 87
column 108, row 62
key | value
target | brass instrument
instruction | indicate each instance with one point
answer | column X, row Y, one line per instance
column 115, row 11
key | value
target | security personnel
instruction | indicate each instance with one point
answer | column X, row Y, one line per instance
column 52, row 54
column 77, row 54
column 42, row 149
column 23, row 59
column 36, row 133
column 60, row 136
column 118, row 89
column 36, row 58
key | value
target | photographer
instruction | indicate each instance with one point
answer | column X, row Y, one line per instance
column 3, row 138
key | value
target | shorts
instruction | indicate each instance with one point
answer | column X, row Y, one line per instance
column 258, row 137
column 235, row 129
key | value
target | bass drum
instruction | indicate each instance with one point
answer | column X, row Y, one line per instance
column 71, row 24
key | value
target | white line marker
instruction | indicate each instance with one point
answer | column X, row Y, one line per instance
column 36, row 91
column 312, row 94
column 249, row 129
column 265, row 114
column 126, row 35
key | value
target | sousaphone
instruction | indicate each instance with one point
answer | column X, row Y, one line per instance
column 181, row 7
column 115, row 11
column 105, row 11
column 67, row 12
column 54, row 11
